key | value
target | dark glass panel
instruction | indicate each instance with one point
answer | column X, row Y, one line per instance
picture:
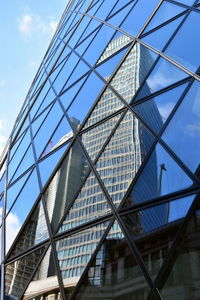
column 98, row 44
column 109, row 65
column 47, row 128
column 65, row 184
column 133, row 71
column 74, row 253
column 95, row 138
column 89, row 205
column 158, row 178
column 160, row 37
column 183, row 134
column 47, row 165
column 159, row 107
column 44, row 284
column 165, row 12
column 163, row 75
column 60, row 136
column 154, row 230
column 14, row 190
column 21, row 209
column 138, row 16
column 19, row 272
column 122, row 157
column 185, row 46
column 67, row 97
column 34, row 232
column 43, row 95
column 182, row 275
column 85, row 99
column 26, row 163
column 114, row 272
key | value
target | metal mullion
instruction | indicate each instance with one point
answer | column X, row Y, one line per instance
column 180, row 4
column 159, row 201
column 46, row 214
column 21, row 175
column 179, row 236
column 12, row 145
column 89, row 264
column 120, row 9
column 3, row 232
column 37, row 114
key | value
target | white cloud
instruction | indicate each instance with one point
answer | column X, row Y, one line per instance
column 31, row 23
column 166, row 109
column 192, row 130
column 158, row 81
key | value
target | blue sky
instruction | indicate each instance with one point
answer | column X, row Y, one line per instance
column 27, row 27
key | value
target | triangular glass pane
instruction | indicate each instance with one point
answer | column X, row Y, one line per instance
column 182, row 274
column 15, row 146
column 138, row 16
column 159, row 107
column 104, row 10
column 154, row 230
column 163, row 75
column 62, row 134
column 67, row 97
column 37, row 122
column 187, row 56
column 21, row 208
column 19, row 272
column 34, row 232
column 47, row 165
column 65, row 184
column 50, row 97
column 106, row 69
column 47, row 128
column 114, row 272
column 117, row 19
column 106, row 105
column 94, row 139
column 160, row 37
column 183, row 134
column 133, row 71
column 85, row 99
column 89, row 205
column 60, row 63
column 165, row 12
column 119, row 5
column 84, row 43
column 187, row 2
column 74, row 253
column 14, row 190
column 44, row 284
column 26, row 163
column 157, row 178
column 123, row 156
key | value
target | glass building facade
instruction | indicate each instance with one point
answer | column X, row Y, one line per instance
column 99, row 180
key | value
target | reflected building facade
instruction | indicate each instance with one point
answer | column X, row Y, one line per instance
column 117, row 210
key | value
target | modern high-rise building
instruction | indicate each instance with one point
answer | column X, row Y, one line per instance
column 99, row 180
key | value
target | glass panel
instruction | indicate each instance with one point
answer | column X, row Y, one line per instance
column 21, row 209
column 35, row 231
column 60, row 136
column 159, row 107
column 95, row 138
column 85, row 99
column 133, row 71
column 117, row 19
column 104, row 10
column 123, row 155
column 37, row 123
column 154, row 230
column 106, row 105
column 160, row 37
column 47, row 128
column 47, row 165
column 182, row 134
column 157, row 178
column 179, row 50
column 165, row 12
column 44, row 284
column 15, row 146
column 18, row 274
column 107, row 68
column 14, row 190
column 2, row 183
column 138, row 16
column 182, row 275
column 65, row 184
column 48, row 99
column 187, row 2
column 74, row 253
column 163, row 75
column 114, row 272
column 89, row 205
